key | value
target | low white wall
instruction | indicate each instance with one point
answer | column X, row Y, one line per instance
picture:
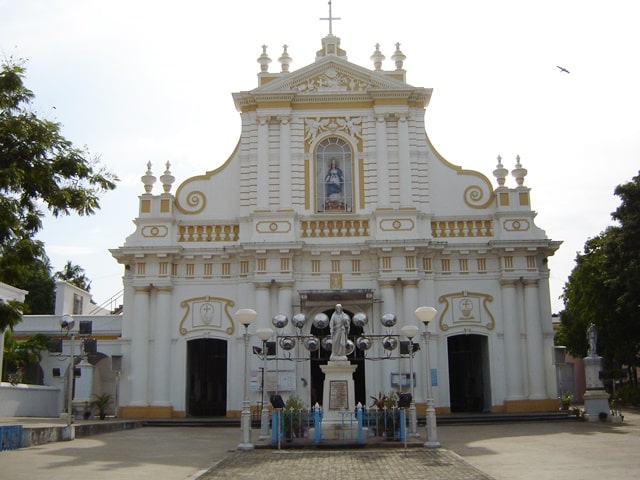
column 29, row 400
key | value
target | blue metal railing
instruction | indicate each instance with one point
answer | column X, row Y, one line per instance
column 359, row 425
column 385, row 423
column 292, row 424
column 10, row 437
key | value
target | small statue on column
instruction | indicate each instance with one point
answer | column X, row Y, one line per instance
column 592, row 339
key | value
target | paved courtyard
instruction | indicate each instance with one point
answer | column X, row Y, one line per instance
column 570, row 450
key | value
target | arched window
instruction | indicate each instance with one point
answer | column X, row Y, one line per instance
column 334, row 177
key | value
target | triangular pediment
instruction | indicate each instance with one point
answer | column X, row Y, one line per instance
column 332, row 75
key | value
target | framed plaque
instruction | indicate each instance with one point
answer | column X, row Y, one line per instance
column 338, row 395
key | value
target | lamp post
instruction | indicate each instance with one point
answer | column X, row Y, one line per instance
column 67, row 322
column 411, row 331
column 264, row 334
column 425, row 315
column 246, row 316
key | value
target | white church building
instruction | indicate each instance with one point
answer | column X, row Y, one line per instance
column 334, row 194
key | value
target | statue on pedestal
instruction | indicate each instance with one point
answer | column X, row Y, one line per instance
column 339, row 326
column 592, row 339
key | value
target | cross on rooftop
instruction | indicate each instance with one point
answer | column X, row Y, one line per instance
column 331, row 18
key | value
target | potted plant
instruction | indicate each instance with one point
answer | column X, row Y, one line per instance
column 101, row 403
column 387, row 414
column 293, row 425
column 565, row 401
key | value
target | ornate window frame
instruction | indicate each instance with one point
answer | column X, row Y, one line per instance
column 334, row 187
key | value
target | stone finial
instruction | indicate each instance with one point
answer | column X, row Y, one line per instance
column 519, row 172
column 377, row 58
column 148, row 179
column 167, row 179
column 398, row 57
column 264, row 60
column 500, row 172
column 285, row 60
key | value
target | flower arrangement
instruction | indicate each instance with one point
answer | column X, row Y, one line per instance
column 566, row 400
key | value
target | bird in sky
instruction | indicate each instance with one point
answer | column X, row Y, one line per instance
column 562, row 69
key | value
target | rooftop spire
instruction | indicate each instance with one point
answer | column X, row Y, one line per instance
column 331, row 18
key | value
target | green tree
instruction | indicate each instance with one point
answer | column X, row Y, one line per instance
column 585, row 297
column 604, row 287
column 40, row 171
column 74, row 274
column 21, row 358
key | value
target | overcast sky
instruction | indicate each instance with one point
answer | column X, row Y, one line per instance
column 151, row 80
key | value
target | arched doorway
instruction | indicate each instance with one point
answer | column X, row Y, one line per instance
column 469, row 383
column 321, row 357
column 206, row 377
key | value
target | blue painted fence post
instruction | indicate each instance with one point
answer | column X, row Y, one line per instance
column 317, row 425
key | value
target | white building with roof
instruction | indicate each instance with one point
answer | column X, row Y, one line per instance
column 334, row 194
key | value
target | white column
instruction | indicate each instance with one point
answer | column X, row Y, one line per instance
column 404, row 161
column 535, row 341
column 285, row 299
column 285, row 163
column 263, row 305
column 162, row 349
column 512, row 346
column 410, row 303
column 388, row 297
column 263, row 164
column 427, row 297
column 140, row 347
column 382, row 160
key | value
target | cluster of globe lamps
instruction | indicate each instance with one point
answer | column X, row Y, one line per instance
column 311, row 343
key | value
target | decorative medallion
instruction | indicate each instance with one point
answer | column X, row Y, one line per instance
column 274, row 226
column 335, row 281
column 397, row 225
column 516, row 225
column 465, row 309
column 206, row 313
column 154, row 231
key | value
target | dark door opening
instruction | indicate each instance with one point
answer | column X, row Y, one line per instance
column 206, row 378
column 468, row 373
column 321, row 357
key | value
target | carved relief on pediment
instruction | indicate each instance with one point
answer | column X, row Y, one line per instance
column 330, row 80
column 315, row 126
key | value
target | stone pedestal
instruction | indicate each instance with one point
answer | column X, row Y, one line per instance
column 83, row 388
column 338, row 396
column 596, row 399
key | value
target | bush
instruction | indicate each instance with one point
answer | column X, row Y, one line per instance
column 628, row 395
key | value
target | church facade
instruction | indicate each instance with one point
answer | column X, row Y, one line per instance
column 334, row 194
